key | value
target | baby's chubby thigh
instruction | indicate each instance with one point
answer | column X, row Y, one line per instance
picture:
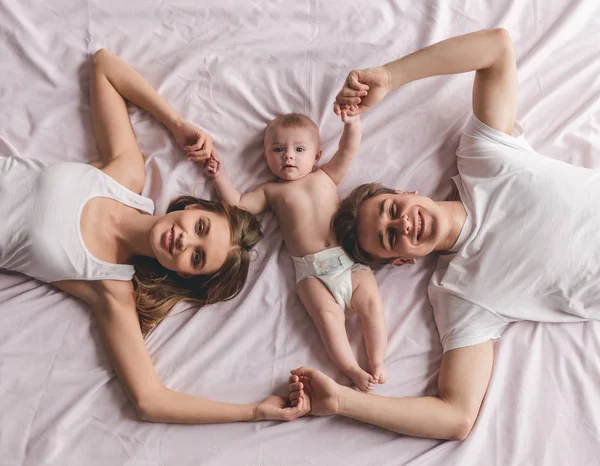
column 366, row 300
column 317, row 299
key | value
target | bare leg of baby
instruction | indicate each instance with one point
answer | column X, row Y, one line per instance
column 330, row 322
column 366, row 302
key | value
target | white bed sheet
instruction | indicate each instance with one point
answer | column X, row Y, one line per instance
column 230, row 66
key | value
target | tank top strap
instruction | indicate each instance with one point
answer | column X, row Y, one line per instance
column 115, row 190
column 106, row 186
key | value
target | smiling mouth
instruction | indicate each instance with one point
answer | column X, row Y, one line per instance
column 419, row 226
column 170, row 239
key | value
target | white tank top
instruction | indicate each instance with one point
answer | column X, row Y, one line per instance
column 40, row 210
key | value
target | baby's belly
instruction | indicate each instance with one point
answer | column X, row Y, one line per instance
column 307, row 231
column 305, row 215
column 300, row 244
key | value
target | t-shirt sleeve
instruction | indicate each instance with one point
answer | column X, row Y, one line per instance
column 485, row 154
column 462, row 323
column 484, row 151
column 477, row 135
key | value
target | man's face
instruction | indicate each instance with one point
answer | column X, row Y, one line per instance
column 401, row 226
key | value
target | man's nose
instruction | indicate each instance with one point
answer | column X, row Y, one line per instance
column 402, row 224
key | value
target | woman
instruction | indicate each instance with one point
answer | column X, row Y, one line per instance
column 81, row 228
column 521, row 243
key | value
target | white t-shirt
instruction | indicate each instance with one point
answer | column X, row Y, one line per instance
column 530, row 247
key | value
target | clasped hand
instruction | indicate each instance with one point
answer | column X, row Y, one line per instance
column 362, row 90
column 197, row 144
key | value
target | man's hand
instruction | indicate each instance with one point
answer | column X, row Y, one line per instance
column 363, row 90
column 321, row 390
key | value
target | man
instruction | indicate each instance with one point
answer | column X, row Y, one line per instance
column 513, row 203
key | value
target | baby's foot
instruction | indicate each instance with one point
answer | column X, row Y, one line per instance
column 379, row 372
column 363, row 380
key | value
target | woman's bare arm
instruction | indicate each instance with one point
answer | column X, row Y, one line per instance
column 112, row 82
column 116, row 317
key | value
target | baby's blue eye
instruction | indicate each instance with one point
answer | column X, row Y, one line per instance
column 278, row 149
column 299, row 149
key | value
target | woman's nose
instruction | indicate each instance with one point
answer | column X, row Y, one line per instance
column 187, row 241
column 181, row 242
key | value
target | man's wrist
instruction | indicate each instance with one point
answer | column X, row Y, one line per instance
column 394, row 76
column 344, row 400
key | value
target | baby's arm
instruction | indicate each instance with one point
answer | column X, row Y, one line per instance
column 338, row 166
column 254, row 201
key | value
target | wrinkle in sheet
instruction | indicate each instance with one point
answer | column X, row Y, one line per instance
column 230, row 66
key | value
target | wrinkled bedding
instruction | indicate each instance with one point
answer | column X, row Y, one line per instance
column 230, row 66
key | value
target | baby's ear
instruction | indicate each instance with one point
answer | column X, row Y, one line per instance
column 318, row 156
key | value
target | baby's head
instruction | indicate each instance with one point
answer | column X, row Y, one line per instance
column 291, row 146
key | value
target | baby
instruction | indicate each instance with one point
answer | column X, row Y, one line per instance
column 304, row 198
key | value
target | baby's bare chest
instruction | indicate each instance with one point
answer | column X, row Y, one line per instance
column 308, row 199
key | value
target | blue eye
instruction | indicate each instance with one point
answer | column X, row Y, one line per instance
column 299, row 149
column 278, row 149
column 195, row 258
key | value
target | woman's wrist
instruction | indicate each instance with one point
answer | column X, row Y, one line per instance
column 174, row 122
column 256, row 414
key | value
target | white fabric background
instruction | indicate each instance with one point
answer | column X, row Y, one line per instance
column 230, row 66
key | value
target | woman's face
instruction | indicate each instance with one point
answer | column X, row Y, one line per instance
column 191, row 241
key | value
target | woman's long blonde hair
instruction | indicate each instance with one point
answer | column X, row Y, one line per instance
column 158, row 289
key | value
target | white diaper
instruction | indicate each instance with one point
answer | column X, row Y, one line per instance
column 334, row 268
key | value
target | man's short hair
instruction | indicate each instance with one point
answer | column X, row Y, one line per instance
column 345, row 223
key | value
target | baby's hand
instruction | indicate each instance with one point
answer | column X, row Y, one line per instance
column 347, row 119
column 212, row 167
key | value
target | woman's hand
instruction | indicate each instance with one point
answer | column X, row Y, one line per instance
column 275, row 408
column 198, row 144
column 362, row 90
column 315, row 391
